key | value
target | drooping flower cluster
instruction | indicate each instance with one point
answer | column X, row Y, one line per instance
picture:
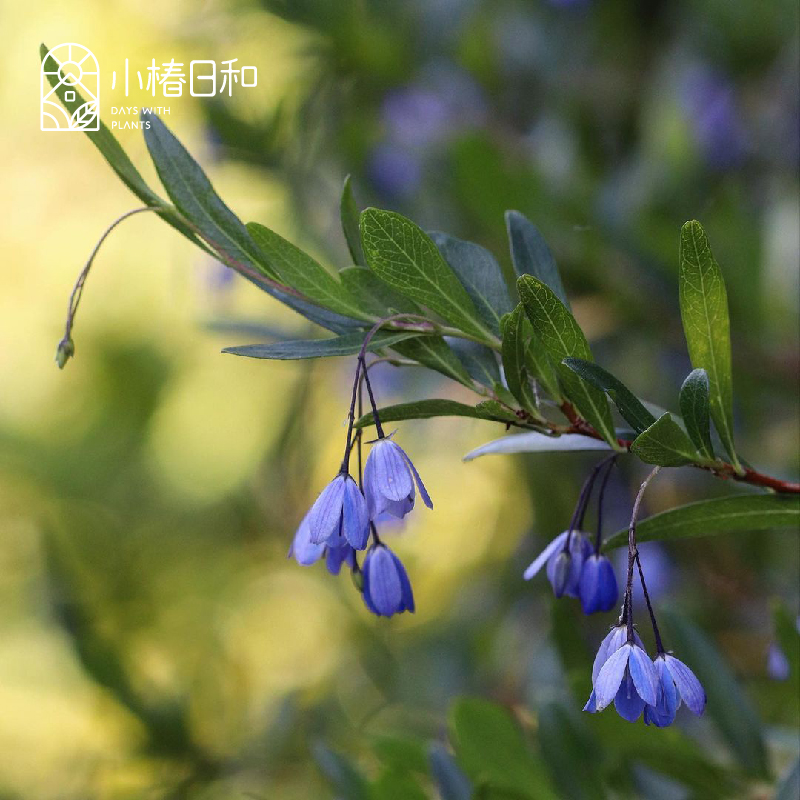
column 342, row 520
column 575, row 567
column 622, row 673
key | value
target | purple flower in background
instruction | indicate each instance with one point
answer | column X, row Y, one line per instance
column 777, row 663
column 676, row 684
column 387, row 590
column 339, row 515
column 661, row 571
column 414, row 116
column 710, row 102
column 597, row 587
column 394, row 170
column 563, row 566
column 389, row 480
column 629, row 679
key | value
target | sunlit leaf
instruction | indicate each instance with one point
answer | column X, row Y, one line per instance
column 531, row 255
column 695, row 411
column 629, row 406
column 298, row 270
column 403, row 255
column 747, row 512
column 664, row 443
column 704, row 311
column 346, row 345
column 561, row 336
column 480, row 275
column 535, row 442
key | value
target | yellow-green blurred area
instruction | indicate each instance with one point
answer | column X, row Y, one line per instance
column 155, row 642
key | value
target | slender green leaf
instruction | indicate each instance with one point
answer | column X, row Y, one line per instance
column 535, row 442
column 405, row 257
column 349, row 212
column 480, row 275
column 346, row 345
column 695, row 411
column 451, row 782
column 434, row 353
column 749, row 512
column 191, row 191
column 374, row 295
column 479, row 361
column 728, row 706
column 664, row 443
column 514, row 362
column 531, row 255
column 426, row 409
column 704, row 311
column 491, row 748
column 115, row 156
column 561, row 336
column 628, row 404
column 298, row 270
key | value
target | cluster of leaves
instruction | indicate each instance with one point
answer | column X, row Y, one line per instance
column 493, row 753
column 448, row 307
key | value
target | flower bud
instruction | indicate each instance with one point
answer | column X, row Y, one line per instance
column 65, row 351
column 562, row 569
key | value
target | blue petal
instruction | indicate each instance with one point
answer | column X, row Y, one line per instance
column 405, row 585
column 365, row 589
column 591, row 704
column 423, row 492
column 392, row 476
column 399, row 508
column 544, row 556
column 644, row 675
column 355, row 518
column 385, row 587
column 663, row 713
column 610, row 676
column 336, row 556
column 571, row 584
column 599, row 583
column 325, row 515
column 689, row 688
column 615, row 638
column 627, row 701
column 305, row 551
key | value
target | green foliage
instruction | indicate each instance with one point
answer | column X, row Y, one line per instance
column 427, row 409
column 696, row 411
column 562, row 337
column 348, row 344
column 704, row 310
column 492, row 750
column 349, row 213
column 374, row 295
column 515, row 364
column 531, row 255
column 403, row 255
column 750, row 512
column 434, row 352
column 631, row 408
column 664, row 443
column 299, row 271
column 480, row 275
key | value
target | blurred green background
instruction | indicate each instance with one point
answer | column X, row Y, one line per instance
column 154, row 640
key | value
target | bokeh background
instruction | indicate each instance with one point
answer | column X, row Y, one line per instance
column 154, row 640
